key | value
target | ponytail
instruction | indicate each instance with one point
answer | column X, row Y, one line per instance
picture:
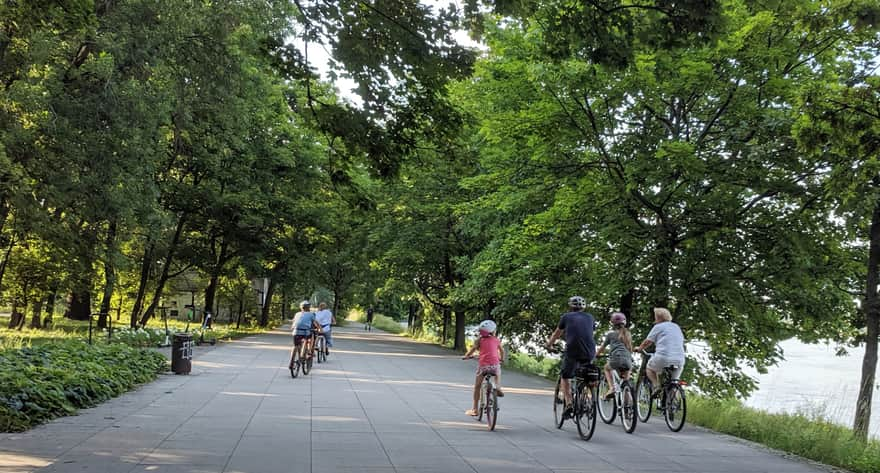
column 625, row 336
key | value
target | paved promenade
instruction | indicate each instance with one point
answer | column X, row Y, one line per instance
column 380, row 404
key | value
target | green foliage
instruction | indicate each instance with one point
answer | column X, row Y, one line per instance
column 810, row 437
column 43, row 382
column 381, row 322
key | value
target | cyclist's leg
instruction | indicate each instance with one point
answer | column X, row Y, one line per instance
column 655, row 366
column 567, row 373
column 328, row 338
column 610, row 379
column 478, row 382
column 498, row 390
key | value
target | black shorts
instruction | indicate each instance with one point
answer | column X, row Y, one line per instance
column 297, row 339
column 570, row 364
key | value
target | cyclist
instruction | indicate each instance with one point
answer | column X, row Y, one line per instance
column 491, row 354
column 580, row 348
column 669, row 341
column 619, row 344
column 325, row 320
column 303, row 325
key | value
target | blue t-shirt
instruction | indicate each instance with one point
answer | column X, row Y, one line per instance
column 579, row 342
column 303, row 322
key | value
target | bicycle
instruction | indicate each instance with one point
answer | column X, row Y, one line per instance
column 299, row 359
column 672, row 401
column 488, row 403
column 584, row 392
column 321, row 347
column 622, row 403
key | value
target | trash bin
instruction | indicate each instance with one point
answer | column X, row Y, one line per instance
column 181, row 353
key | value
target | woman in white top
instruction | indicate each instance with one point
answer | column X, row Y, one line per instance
column 666, row 335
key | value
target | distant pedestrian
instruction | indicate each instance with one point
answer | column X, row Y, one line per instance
column 369, row 324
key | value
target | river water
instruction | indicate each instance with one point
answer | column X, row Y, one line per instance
column 814, row 381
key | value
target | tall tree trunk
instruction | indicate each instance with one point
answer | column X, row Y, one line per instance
column 459, row 330
column 410, row 318
column 659, row 293
column 109, row 275
column 446, row 315
column 50, row 305
column 80, row 305
column 871, row 308
column 216, row 269
column 166, row 269
column 267, row 303
column 5, row 261
column 336, row 296
column 37, row 314
column 146, row 266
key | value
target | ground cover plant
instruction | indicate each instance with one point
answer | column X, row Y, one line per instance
column 38, row 383
column 381, row 322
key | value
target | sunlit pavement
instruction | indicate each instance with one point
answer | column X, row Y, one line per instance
column 380, row 404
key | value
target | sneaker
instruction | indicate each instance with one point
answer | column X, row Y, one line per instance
column 499, row 392
column 656, row 392
column 567, row 413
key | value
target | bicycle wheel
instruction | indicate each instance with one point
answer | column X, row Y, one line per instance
column 628, row 410
column 306, row 360
column 607, row 407
column 558, row 405
column 585, row 411
column 491, row 407
column 294, row 362
column 643, row 399
column 320, row 348
column 676, row 407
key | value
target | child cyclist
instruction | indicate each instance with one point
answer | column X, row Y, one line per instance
column 491, row 354
column 619, row 344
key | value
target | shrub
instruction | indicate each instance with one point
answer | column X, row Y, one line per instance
column 51, row 380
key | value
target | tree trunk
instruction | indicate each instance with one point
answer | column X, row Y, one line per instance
column 659, row 295
column 336, row 304
column 109, row 276
column 459, row 330
column 267, row 303
column 50, row 305
column 216, row 269
column 5, row 261
column 410, row 318
column 446, row 316
column 80, row 305
column 37, row 314
column 166, row 269
column 146, row 265
column 871, row 308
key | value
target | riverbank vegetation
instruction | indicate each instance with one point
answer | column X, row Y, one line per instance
column 718, row 158
column 811, row 437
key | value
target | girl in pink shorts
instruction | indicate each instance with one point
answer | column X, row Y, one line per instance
column 491, row 354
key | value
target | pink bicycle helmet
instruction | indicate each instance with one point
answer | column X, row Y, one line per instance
column 618, row 318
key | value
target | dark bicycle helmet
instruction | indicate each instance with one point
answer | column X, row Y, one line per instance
column 577, row 302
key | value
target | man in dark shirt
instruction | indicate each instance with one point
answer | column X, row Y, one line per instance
column 580, row 347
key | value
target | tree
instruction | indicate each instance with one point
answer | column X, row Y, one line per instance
column 672, row 180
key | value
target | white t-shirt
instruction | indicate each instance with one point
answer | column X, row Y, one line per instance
column 669, row 340
column 325, row 317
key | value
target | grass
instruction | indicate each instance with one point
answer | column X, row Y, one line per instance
column 381, row 322
column 809, row 437
column 152, row 335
